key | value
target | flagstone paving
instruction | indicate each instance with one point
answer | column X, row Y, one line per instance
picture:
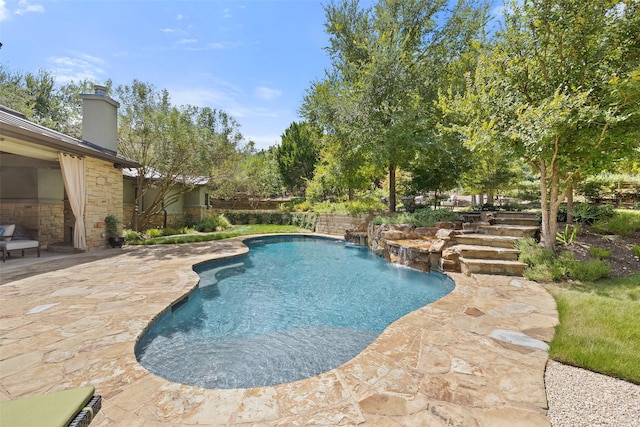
column 473, row 358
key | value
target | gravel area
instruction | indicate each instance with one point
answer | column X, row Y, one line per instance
column 578, row 397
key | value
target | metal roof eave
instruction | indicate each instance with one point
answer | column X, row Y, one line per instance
column 25, row 130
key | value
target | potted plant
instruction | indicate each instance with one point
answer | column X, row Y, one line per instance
column 111, row 223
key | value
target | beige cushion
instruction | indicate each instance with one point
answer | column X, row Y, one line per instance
column 15, row 245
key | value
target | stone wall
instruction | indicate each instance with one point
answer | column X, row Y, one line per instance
column 104, row 189
column 338, row 224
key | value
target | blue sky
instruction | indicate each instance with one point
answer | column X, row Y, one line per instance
column 254, row 58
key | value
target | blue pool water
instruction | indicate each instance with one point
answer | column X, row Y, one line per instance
column 293, row 307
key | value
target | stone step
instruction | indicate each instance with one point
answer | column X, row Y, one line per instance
column 476, row 239
column 486, row 252
column 489, row 266
column 515, row 214
column 532, row 222
column 510, row 230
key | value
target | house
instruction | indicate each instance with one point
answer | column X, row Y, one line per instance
column 60, row 188
column 180, row 202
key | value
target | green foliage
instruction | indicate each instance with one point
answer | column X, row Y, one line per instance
column 212, row 223
column 306, row 220
column 568, row 236
column 177, row 145
column 353, row 207
column 153, row 232
column 388, row 62
column 297, row 155
column 486, row 207
column 635, row 249
column 559, row 90
column 244, row 230
column 131, row 236
column 586, row 213
column 545, row 266
column 599, row 253
column 588, row 271
column 111, row 224
column 623, row 223
column 421, row 218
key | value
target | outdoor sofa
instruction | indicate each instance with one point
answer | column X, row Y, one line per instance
column 12, row 241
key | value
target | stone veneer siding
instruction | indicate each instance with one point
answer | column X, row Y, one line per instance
column 337, row 224
column 104, row 197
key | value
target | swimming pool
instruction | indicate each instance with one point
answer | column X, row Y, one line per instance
column 292, row 308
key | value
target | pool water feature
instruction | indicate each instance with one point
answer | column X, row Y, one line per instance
column 291, row 308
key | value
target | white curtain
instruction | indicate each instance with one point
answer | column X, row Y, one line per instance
column 74, row 184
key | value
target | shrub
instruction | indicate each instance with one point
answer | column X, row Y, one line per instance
column 586, row 213
column 533, row 254
column 421, row 218
column 551, row 272
column 212, row 223
column 306, row 220
column 588, row 271
column 153, row 232
column 131, row 235
column 543, row 266
column 621, row 224
column 599, row 253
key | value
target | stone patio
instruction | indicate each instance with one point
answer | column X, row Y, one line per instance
column 473, row 358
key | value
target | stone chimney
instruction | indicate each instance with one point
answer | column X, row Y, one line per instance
column 100, row 119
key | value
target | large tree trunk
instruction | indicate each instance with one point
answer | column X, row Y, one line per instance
column 551, row 198
column 392, row 188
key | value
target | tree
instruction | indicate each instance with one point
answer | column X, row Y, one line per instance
column 439, row 167
column 43, row 101
column 387, row 64
column 560, row 90
column 177, row 148
column 297, row 155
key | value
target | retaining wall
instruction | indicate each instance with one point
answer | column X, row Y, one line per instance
column 337, row 224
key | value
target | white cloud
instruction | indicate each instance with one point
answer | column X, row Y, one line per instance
column 25, row 7
column 227, row 13
column 187, row 41
column 266, row 93
column 79, row 66
column 4, row 12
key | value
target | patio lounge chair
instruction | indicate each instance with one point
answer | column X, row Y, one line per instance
column 10, row 242
column 74, row 408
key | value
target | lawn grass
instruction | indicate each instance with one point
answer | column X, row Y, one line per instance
column 599, row 326
column 241, row 230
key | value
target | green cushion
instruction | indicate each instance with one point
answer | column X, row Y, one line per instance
column 44, row 410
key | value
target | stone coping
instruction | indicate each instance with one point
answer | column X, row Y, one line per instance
column 472, row 358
